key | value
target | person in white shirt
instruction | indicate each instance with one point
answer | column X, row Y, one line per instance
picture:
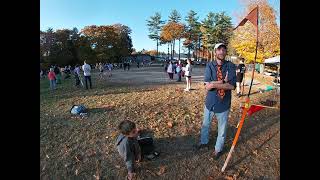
column 87, row 74
column 170, row 70
column 188, row 70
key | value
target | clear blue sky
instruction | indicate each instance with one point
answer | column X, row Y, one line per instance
column 60, row 14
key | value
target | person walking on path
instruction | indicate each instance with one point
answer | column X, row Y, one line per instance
column 170, row 70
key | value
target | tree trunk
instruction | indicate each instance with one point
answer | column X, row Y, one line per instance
column 168, row 50
column 179, row 48
column 195, row 51
column 174, row 43
column 171, row 49
column 199, row 46
column 189, row 51
column 157, row 47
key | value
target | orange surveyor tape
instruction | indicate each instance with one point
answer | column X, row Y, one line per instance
column 244, row 113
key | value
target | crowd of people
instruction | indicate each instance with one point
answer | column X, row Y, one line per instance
column 82, row 74
column 180, row 70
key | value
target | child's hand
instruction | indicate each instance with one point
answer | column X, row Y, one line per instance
column 130, row 176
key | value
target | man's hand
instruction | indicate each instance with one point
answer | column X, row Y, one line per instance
column 209, row 86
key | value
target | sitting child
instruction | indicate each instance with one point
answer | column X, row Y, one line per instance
column 131, row 147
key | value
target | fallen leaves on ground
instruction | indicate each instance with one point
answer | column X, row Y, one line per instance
column 165, row 110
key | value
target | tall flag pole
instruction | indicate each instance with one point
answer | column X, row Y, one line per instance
column 253, row 17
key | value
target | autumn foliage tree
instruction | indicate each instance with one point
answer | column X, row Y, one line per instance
column 102, row 40
column 152, row 52
column 93, row 43
column 172, row 31
column 244, row 38
column 58, row 47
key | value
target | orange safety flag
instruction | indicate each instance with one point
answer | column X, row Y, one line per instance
column 252, row 17
column 253, row 109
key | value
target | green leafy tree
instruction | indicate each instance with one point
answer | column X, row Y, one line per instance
column 154, row 25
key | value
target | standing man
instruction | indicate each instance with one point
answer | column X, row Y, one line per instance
column 87, row 74
column 220, row 79
column 241, row 68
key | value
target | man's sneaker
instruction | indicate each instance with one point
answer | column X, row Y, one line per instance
column 200, row 146
column 216, row 155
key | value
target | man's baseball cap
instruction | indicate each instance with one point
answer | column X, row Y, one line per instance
column 218, row 45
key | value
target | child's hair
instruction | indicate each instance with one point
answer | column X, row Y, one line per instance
column 126, row 126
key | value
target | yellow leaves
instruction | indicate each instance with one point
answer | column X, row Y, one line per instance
column 113, row 134
column 172, row 31
column 244, row 37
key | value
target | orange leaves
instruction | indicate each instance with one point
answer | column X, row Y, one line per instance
column 104, row 38
column 161, row 170
column 151, row 52
column 170, row 124
column 172, row 31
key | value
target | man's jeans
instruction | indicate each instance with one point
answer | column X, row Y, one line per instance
column 222, row 127
column 53, row 84
column 88, row 78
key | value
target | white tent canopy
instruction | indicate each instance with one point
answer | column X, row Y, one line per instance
column 272, row 60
